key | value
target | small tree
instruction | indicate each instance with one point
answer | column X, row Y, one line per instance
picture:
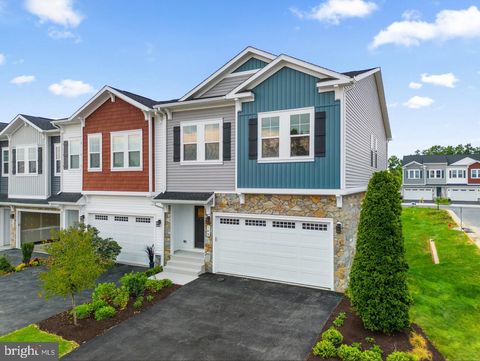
column 378, row 287
column 73, row 266
column 107, row 249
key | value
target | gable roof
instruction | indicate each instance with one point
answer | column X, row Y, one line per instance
column 3, row 126
column 439, row 159
column 41, row 124
column 138, row 98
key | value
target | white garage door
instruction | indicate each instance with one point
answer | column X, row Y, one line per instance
column 133, row 233
column 289, row 250
column 416, row 194
column 463, row 194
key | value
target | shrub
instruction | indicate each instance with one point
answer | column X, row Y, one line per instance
column 340, row 319
column 83, row 311
column 153, row 271
column 150, row 251
column 166, row 282
column 370, row 340
column 333, row 335
column 138, row 302
column 357, row 345
column 5, row 265
column 349, row 353
column 106, row 248
column 105, row 292
column 420, row 349
column 401, row 356
column 377, row 349
column 154, row 285
column 150, row 298
column 121, row 297
column 370, row 355
column 325, row 349
column 105, row 312
column 378, row 287
column 20, row 267
column 96, row 305
column 134, row 283
column 27, row 250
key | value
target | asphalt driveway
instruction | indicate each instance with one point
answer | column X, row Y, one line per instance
column 220, row 318
column 20, row 304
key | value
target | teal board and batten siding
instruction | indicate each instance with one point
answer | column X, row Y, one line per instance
column 289, row 89
column 251, row 64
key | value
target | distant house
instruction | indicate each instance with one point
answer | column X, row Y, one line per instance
column 426, row 177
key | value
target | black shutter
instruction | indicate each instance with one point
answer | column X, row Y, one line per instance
column 13, row 166
column 320, row 134
column 40, row 160
column 252, row 138
column 176, row 144
column 65, row 155
column 227, row 141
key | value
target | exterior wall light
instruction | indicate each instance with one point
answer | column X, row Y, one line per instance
column 339, row 228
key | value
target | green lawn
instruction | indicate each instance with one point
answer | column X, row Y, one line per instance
column 446, row 296
column 32, row 333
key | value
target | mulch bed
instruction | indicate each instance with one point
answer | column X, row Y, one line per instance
column 353, row 331
column 62, row 323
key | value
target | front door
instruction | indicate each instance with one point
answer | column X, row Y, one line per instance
column 439, row 192
column 199, row 226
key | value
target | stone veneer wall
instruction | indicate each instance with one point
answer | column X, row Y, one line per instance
column 301, row 206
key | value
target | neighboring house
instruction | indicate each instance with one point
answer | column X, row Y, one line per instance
column 426, row 177
column 31, row 195
column 268, row 160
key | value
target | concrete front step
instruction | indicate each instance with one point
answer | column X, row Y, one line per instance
column 198, row 256
column 176, row 278
column 180, row 263
column 185, row 271
column 185, row 259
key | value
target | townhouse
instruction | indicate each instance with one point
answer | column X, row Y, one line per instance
column 427, row 177
column 258, row 171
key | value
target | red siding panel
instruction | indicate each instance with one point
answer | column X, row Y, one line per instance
column 470, row 179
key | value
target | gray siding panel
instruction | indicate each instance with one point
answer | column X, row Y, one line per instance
column 54, row 180
column 25, row 186
column 437, row 180
column 201, row 178
column 363, row 118
column 226, row 85
column 3, row 180
column 407, row 181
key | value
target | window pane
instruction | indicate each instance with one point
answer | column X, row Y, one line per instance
column 300, row 146
column 74, row 147
column 300, row 124
column 212, row 151
column 118, row 143
column 5, row 155
column 118, row 160
column 134, row 159
column 32, row 166
column 270, row 126
column 74, row 161
column 189, row 152
column 20, row 154
column 21, row 167
column 5, row 168
column 212, row 132
column 57, row 166
column 94, row 144
column 134, row 142
column 190, row 134
column 270, row 148
column 32, row 153
column 95, row 160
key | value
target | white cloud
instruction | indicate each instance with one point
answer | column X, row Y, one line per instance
column 447, row 80
column 57, row 11
column 3, row 59
column 417, row 102
column 62, row 34
column 71, row 88
column 23, row 79
column 448, row 24
column 414, row 85
column 333, row 11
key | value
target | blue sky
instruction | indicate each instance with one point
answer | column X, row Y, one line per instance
column 54, row 54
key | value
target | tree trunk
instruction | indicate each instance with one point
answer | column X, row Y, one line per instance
column 73, row 309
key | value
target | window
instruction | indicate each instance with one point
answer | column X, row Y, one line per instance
column 201, row 141
column 457, row 173
column 315, row 226
column 232, row 221
column 126, row 148
column 414, row 174
column 255, row 222
column 74, row 154
column 373, row 151
column 27, row 160
column 283, row 224
column 121, row 219
column 101, row 217
column 94, row 152
column 286, row 135
column 57, row 154
column 435, row 173
column 475, row 173
column 5, row 161
column 143, row 219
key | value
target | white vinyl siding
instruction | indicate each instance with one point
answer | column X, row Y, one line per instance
column 363, row 118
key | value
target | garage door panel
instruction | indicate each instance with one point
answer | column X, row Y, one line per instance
column 464, row 194
column 287, row 250
column 418, row 193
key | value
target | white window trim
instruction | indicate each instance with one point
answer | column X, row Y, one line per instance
column 126, row 168
column 70, row 141
column 26, row 161
column 201, row 141
column 435, row 173
column 458, row 172
column 91, row 136
column 477, row 171
column 284, row 136
column 413, row 172
column 3, row 161
column 57, row 151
